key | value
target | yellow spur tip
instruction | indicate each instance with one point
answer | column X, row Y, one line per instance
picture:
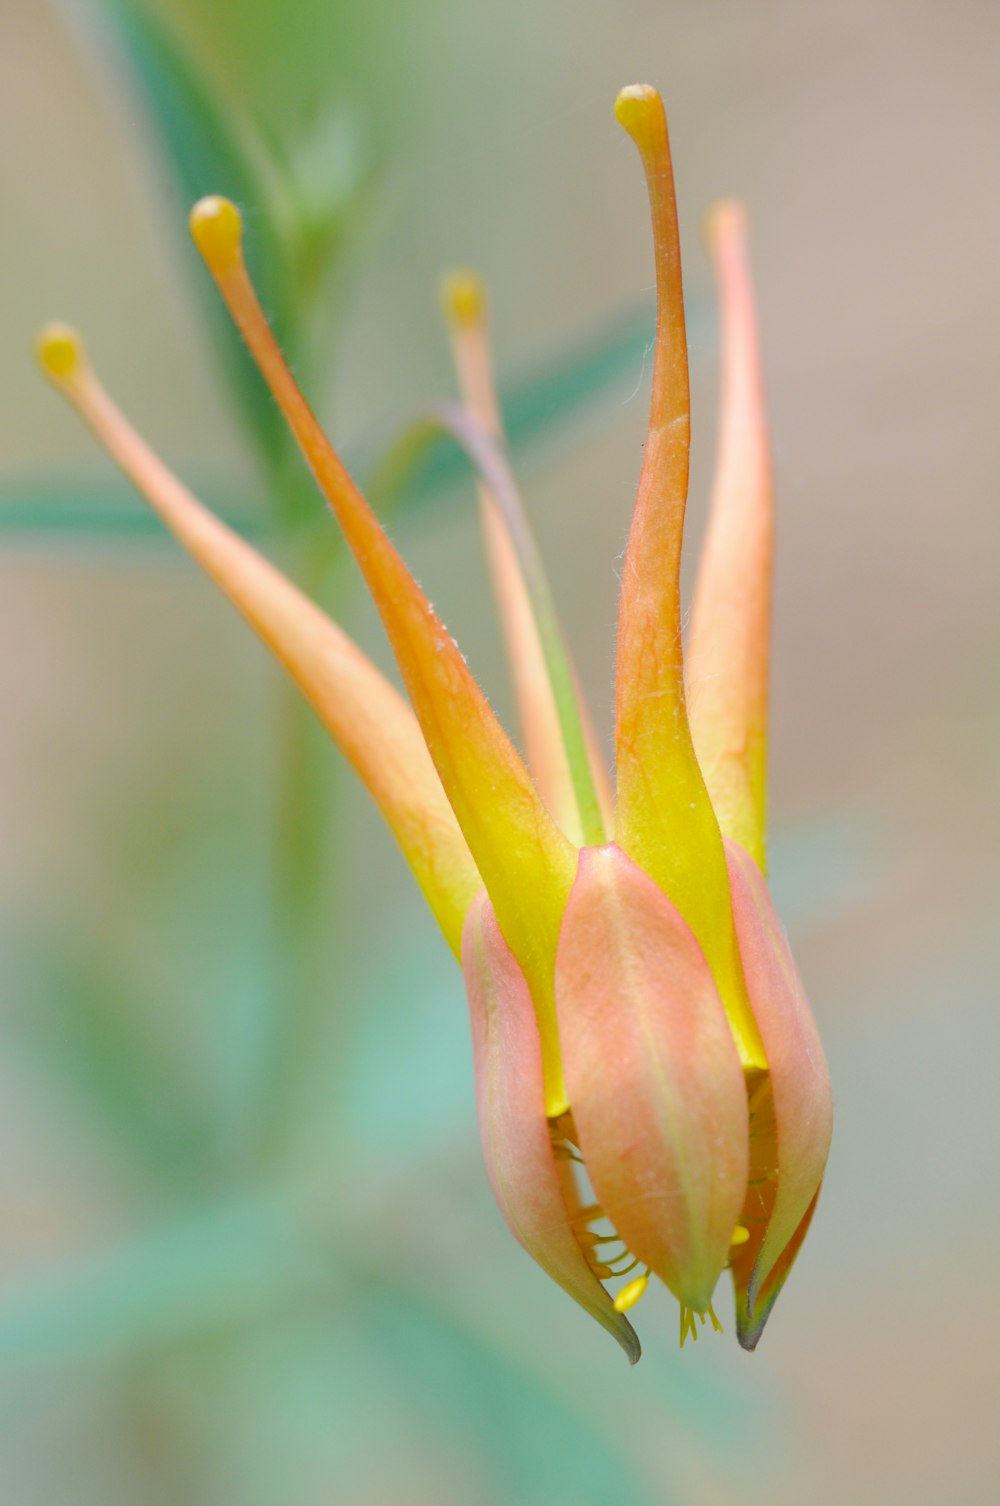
column 639, row 109
column 463, row 297
column 216, row 227
column 60, row 352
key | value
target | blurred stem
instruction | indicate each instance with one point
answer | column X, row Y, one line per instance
column 303, row 880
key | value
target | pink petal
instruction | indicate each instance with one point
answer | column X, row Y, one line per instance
column 510, row 1095
column 792, row 1117
column 654, row 1078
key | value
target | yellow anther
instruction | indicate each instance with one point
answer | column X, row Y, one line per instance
column 60, row 352
column 715, row 1322
column 217, row 230
column 740, row 1235
column 640, row 110
column 630, row 1294
column 463, row 297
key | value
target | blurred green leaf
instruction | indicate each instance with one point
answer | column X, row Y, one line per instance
column 537, row 1445
column 72, row 507
column 421, row 467
column 411, row 472
column 78, row 1020
column 211, row 149
column 203, row 1270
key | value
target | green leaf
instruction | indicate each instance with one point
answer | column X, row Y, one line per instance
column 210, row 149
column 63, row 509
column 76, row 1019
column 579, row 383
column 201, row 1271
column 575, row 383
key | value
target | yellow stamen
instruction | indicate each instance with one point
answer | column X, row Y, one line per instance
column 365, row 715
column 630, row 1294
column 688, row 1325
column 588, row 1215
column 526, row 863
column 740, row 1235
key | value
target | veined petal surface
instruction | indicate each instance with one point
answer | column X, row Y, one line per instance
column 654, row 1078
column 517, row 1147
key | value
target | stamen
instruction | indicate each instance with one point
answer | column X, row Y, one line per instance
column 630, row 1294
column 689, row 1327
column 740, row 1235
column 589, row 1214
column 561, row 745
column 526, row 863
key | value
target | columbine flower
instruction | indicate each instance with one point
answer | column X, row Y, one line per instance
column 652, row 1092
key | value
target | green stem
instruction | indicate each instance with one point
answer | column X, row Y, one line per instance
column 303, row 880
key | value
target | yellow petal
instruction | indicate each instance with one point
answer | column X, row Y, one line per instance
column 728, row 657
column 363, row 713
column 525, row 861
column 664, row 818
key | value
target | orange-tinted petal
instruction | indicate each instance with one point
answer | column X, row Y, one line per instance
column 525, row 861
column 728, row 653
column 664, row 817
column 517, row 1146
column 658, row 1094
column 364, row 714
column 792, row 1111
column 750, row 1325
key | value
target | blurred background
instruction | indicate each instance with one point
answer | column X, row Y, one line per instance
column 248, row 1250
